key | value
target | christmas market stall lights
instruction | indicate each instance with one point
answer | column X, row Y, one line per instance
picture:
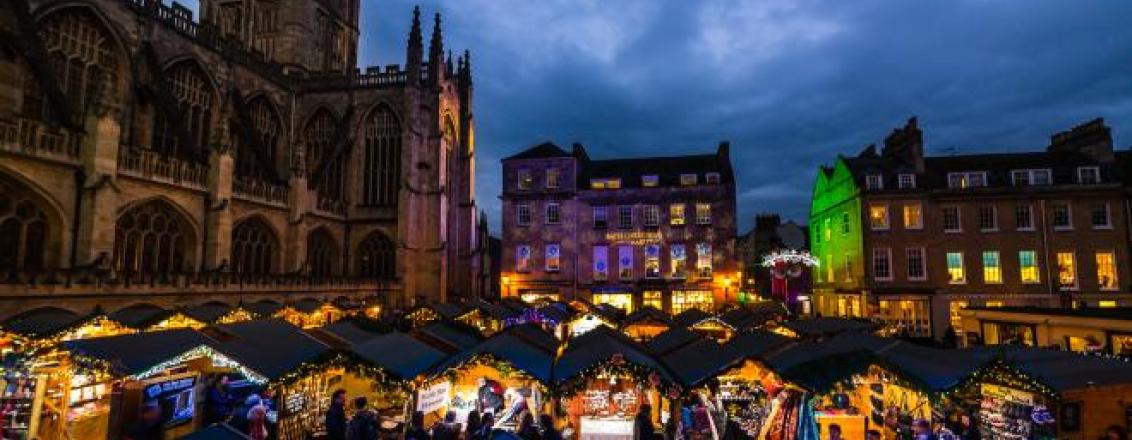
column 310, row 313
column 391, row 368
column 714, row 328
column 603, row 379
column 504, row 375
column 585, row 322
column 645, row 323
column 42, row 328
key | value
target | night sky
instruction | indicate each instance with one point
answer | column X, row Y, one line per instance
column 790, row 83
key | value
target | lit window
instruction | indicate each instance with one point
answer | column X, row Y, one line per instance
column 829, row 278
column 874, row 182
column 1099, row 216
column 652, row 298
column 916, row 270
column 691, row 299
column 526, row 181
column 712, row 178
column 882, row 264
column 913, row 216
column 845, row 223
column 523, row 214
column 650, row 181
column 1039, row 177
column 1107, row 304
column 1067, row 270
column 988, row 218
column 552, row 178
column 1028, row 266
column 676, row 214
column 828, row 229
column 1062, row 216
column 652, row 261
column 679, row 261
column 552, row 213
column 951, row 221
column 625, row 217
column 623, row 301
column 1106, row 271
column 957, row 318
column 955, row 271
column 703, row 213
column 1088, row 175
column 906, row 181
column 703, row 260
column 968, row 179
column 688, row 179
column 553, row 257
column 1024, row 217
column 601, row 217
column 625, row 262
column 992, row 268
column 878, row 217
column 995, row 304
column 652, row 216
column 523, row 258
column 601, row 263
column 605, row 183
column 847, row 264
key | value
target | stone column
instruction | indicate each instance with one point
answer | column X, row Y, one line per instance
column 99, row 192
column 218, row 244
column 299, row 202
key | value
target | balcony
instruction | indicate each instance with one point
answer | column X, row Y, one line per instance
column 157, row 167
column 255, row 190
column 33, row 138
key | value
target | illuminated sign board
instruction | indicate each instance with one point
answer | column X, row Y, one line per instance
column 634, row 237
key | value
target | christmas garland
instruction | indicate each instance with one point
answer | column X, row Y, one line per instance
column 617, row 366
column 506, row 368
column 351, row 364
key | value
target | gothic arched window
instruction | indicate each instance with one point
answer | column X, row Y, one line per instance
column 82, row 57
column 377, row 257
column 266, row 128
column 320, row 134
column 253, row 248
column 194, row 94
column 23, row 228
column 153, row 238
column 382, row 166
column 322, row 254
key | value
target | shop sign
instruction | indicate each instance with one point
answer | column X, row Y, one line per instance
column 170, row 387
column 634, row 237
column 434, row 397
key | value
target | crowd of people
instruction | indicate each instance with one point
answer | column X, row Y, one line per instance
column 254, row 415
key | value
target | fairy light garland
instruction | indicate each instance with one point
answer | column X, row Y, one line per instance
column 203, row 351
column 617, row 366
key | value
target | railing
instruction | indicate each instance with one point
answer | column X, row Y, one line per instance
column 34, row 138
column 95, row 281
column 331, row 205
column 260, row 191
column 151, row 165
column 372, row 78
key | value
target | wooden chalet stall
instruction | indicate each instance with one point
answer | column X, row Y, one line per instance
column 43, row 328
column 310, row 313
column 645, row 323
column 387, row 369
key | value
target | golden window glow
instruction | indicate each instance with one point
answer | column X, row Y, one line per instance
column 1106, row 271
column 1028, row 266
column 956, row 318
column 676, row 214
column 992, row 267
column 878, row 216
column 703, row 213
column 652, row 298
column 692, row 299
column 678, row 260
column 1107, row 304
column 955, row 268
column 605, row 183
column 996, row 303
column 913, row 216
column 623, row 301
column 1067, row 270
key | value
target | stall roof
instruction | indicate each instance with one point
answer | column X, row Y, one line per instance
column 219, row 431
column 43, row 322
column 599, row 345
column 270, row 347
column 263, row 308
column 671, row 339
column 1061, row 370
column 647, row 313
column 451, row 310
column 695, row 363
column 450, row 336
column 753, row 315
column 124, row 356
column 814, row 327
column 534, row 334
column 610, row 312
column 532, row 359
column 403, row 356
column 557, row 311
column 351, row 331
column 140, row 316
column 307, row 305
column 757, row 344
column 690, row 316
column 208, row 312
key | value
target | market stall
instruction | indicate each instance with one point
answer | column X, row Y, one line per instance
column 585, row 322
column 714, row 328
column 310, row 313
column 217, row 313
column 43, row 328
column 645, row 323
column 604, row 380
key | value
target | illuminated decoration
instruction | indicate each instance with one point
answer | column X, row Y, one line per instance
column 783, row 266
column 715, row 329
column 234, row 316
column 616, row 367
column 218, row 360
column 506, row 369
column 790, row 256
column 636, row 238
column 325, row 314
column 587, row 322
column 177, row 320
column 383, row 381
column 99, row 327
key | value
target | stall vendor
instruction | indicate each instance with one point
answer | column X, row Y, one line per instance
column 490, row 396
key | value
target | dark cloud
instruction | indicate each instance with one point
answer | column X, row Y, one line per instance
column 790, row 83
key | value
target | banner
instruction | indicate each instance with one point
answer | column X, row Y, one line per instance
column 434, row 397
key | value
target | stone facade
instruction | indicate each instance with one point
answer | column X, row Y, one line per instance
column 148, row 156
column 644, row 252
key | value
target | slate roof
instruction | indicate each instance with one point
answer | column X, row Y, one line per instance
column 140, row 316
column 599, row 345
column 1060, row 370
column 667, row 169
column 671, row 339
column 536, row 335
column 263, row 308
column 42, row 322
column 752, row 315
column 540, row 151
column 451, row 310
column 270, row 347
column 757, row 344
column 403, row 356
column 208, row 312
column 307, row 305
column 123, row 355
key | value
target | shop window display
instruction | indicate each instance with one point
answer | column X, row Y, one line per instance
column 623, row 301
column 1012, row 414
column 691, row 299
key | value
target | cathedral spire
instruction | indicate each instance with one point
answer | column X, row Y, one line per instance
column 435, row 51
column 450, row 62
column 415, row 48
column 467, row 71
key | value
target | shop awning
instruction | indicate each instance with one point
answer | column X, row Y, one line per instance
column 671, row 340
column 399, row 354
column 132, row 354
column 140, row 316
column 451, row 310
column 43, row 322
column 700, row 361
column 208, row 312
column 600, row 345
column 449, row 336
column 815, row 327
column 263, row 308
column 530, row 358
column 219, row 431
column 352, row 331
column 270, row 347
column 690, row 317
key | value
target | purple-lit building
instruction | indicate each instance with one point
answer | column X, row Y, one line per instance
column 633, row 232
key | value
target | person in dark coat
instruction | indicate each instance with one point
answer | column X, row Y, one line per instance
column 416, row 428
column 548, row 430
column 526, row 429
column 146, row 427
column 336, row 416
column 218, row 403
column 472, row 426
column 363, row 426
column 642, row 424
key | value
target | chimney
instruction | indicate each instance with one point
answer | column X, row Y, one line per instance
column 907, row 145
column 724, row 151
column 579, row 152
column 1092, row 138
